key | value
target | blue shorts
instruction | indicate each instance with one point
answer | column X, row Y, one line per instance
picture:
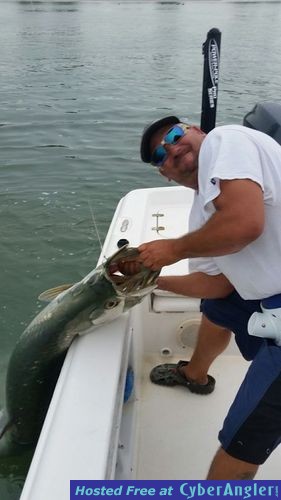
column 252, row 428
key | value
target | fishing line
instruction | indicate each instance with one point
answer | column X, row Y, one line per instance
column 95, row 226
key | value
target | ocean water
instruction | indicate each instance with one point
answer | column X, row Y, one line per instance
column 78, row 82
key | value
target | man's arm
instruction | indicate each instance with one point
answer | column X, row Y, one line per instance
column 238, row 220
column 199, row 285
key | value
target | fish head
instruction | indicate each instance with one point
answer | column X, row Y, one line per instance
column 116, row 293
column 107, row 311
column 131, row 286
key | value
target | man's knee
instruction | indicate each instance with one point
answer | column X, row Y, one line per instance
column 214, row 311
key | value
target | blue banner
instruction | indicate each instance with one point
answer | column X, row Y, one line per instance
column 180, row 490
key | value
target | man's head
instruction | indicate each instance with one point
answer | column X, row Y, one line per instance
column 174, row 148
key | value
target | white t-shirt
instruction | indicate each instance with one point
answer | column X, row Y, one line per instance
column 237, row 152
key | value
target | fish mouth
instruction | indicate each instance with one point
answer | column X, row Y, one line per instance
column 134, row 284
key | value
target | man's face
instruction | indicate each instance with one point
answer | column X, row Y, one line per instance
column 181, row 163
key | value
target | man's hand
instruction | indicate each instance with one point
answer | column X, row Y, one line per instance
column 125, row 267
column 156, row 254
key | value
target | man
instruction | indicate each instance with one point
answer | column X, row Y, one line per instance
column 234, row 245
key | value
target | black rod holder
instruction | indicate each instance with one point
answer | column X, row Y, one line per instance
column 211, row 52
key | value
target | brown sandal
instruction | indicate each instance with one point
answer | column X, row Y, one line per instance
column 169, row 375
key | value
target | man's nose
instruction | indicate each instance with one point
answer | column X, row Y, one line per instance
column 171, row 150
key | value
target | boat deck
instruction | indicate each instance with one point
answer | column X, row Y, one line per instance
column 178, row 430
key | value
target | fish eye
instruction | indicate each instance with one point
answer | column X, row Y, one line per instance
column 110, row 304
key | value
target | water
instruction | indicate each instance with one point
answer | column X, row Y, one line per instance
column 78, row 81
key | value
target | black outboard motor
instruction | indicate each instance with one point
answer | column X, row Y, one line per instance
column 265, row 117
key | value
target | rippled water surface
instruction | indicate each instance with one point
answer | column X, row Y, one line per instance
column 78, row 81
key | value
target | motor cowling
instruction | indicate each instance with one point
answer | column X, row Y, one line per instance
column 265, row 117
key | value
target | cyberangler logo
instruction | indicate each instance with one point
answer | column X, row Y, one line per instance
column 235, row 489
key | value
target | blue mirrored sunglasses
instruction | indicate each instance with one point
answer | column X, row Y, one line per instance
column 173, row 135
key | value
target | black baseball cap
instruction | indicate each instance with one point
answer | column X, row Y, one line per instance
column 148, row 132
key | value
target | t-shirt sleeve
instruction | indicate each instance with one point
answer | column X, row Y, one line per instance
column 227, row 155
column 204, row 265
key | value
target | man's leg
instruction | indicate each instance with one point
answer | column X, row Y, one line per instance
column 212, row 340
column 252, row 427
column 226, row 467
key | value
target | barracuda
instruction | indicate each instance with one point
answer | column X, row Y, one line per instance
column 36, row 361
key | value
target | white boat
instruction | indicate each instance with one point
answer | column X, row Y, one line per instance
column 160, row 432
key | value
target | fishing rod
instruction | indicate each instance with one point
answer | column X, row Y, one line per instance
column 211, row 52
